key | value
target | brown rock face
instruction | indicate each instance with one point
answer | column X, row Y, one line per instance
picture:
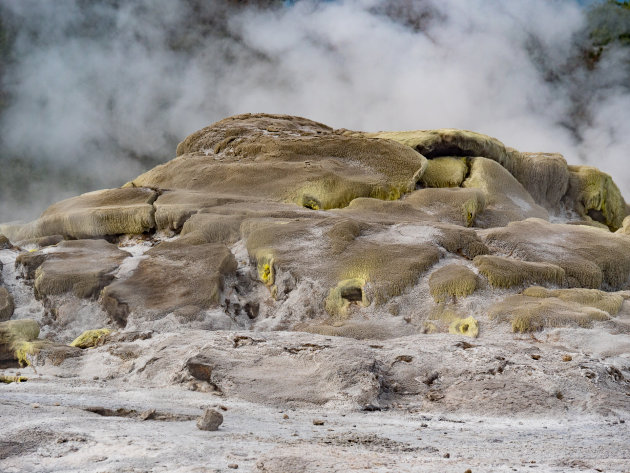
column 174, row 275
column 82, row 267
column 210, row 420
column 6, row 304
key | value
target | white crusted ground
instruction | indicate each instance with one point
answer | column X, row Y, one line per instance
column 492, row 406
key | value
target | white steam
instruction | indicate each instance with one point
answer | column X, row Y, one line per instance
column 109, row 89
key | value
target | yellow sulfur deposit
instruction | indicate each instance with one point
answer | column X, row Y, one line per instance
column 468, row 327
column 90, row 338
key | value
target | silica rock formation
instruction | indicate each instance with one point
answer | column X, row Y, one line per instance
column 272, row 222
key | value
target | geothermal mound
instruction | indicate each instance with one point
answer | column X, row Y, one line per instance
column 281, row 262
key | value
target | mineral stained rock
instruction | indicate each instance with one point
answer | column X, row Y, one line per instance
column 281, row 264
column 90, row 338
column 279, row 222
column 6, row 304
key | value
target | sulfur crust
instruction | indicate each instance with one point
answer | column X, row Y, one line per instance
column 594, row 194
column 606, row 301
column 468, row 327
column 530, row 314
column 19, row 337
column 90, row 338
column 453, row 280
column 444, row 172
column 508, row 272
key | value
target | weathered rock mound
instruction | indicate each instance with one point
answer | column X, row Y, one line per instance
column 267, row 221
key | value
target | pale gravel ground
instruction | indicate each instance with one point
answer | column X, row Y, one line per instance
column 394, row 440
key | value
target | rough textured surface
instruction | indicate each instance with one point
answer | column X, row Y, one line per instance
column 173, row 275
column 6, row 304
column 455, row 205
column 453, row 280
column 444, row 397
column 13, row 333
column 450, row 142
column 82, row 267
column 606, row 301
column 344, row 299
column 528, row 314
column 506, row 199
column 444, row 172
column 5, row 244
column 507, row 272
column 288, row 159
column 595, row 196
column 210, row 420
column 591, row 257
column 544, row 175
column 95, row 214
column 90, row 338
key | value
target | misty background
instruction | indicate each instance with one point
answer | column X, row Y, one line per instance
column 92, row 93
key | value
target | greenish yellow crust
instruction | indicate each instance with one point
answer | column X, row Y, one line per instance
column 444, row 172
column 25, row 351
column 12, row 379
column 345, row 293
column 18, row 330
column 95, row 214
column 90, row 338
column 453, row 280
column 596, row 197
column 508, row 272
column 335, row 192
column 390, row 269
column 530, row 314
column 18, row 340
column 468, row 327
column 606, row 301
column 449, row 142
column 265, row 267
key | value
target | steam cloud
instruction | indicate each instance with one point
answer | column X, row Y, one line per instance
column 106, row 89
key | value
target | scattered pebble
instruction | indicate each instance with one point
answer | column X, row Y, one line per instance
column 286, row 416
column 536, row 357
column 223, row 408
column 233, row 466
column 318, row 422
column 468, row 471
column 35, row 406
column 567, row 358
column 210, row 420
column 447, row 455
